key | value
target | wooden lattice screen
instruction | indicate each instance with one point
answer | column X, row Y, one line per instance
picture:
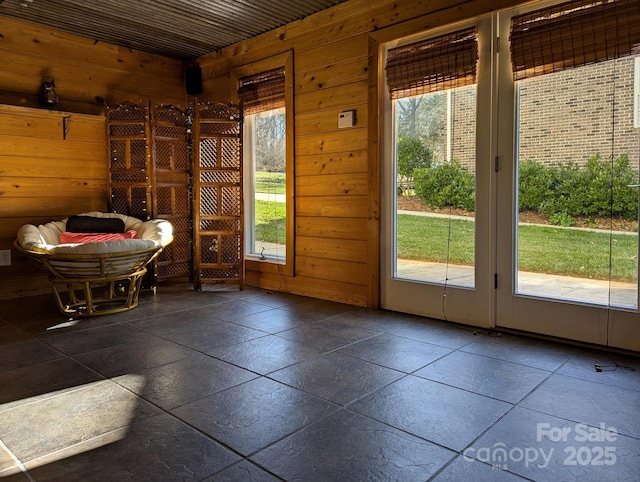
column 170, row 181
column 149, row 169
column 129, row 154
column 217, row 182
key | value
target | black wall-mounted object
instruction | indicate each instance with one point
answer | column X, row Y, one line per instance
column 193, row 80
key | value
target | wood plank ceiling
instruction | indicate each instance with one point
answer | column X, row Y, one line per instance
column 180, row 29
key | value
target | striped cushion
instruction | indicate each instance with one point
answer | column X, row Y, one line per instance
column 80, row 238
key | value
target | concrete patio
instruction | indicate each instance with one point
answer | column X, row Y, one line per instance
column 536, row 284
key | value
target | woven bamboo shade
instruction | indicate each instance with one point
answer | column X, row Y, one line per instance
column 434, row 64
column 572, row 34
column 263, row 91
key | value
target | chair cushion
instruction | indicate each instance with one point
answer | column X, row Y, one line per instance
column 90, row 224
column 77, row 238
column 45, row 238
column 106, row 247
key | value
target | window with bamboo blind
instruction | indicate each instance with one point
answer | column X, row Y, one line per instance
column 573, row 67
column 432, row 86
column 573, row 34
column 431, row 65
column 265, row 90
column 262, row 91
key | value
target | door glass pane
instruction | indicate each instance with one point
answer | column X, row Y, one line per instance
column 577, row 151
column 435, row 138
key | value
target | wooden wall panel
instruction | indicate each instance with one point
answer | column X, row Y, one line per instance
column 329, row 57
column 336, row 249
column 23, row 147
column 340, row 97
column 43, row 175
column 332, row 75
column 47, row 208
column 12, row 188
column 83, row 69
column 332, row 270
column 337, row 191
column 19, row 166
column 326, row 121
column 47, row 126
column 312, row 287
column 332, row 206
column 342, row 140
column 337, row 178
column 336, row 228
column 332, row 163
column 331, row 185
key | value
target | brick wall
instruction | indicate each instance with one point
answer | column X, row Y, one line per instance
column 577, row 113
column 568, row 115
column 463, row 126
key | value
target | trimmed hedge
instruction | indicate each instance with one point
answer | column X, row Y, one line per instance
column 412, row 154
column 446, row 185
column 599, row 188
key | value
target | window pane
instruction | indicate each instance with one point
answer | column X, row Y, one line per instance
column 268, row 165
column 435, row 185
column 578, row 158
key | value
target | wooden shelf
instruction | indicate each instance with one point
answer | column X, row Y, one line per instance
column 65, row 107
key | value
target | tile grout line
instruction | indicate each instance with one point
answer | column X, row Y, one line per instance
column 18, row 462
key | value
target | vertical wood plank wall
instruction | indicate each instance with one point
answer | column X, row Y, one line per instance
column 42, row 175
column 336, row 176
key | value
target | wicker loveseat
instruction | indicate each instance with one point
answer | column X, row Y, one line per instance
column 100, row 275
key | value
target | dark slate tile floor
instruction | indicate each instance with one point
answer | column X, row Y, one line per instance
column 224, row 385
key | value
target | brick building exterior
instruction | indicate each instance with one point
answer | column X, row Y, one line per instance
column 463, row 126
column 570, row 115
column 577, row 113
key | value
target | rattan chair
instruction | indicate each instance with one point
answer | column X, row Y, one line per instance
column 95, row 278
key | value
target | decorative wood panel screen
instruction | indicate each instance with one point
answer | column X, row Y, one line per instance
column 170, row 181
column 128, row 135
column 217, row 181
column 150, row 166
column 129, row 159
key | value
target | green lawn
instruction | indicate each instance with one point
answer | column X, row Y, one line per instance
column 579, row 253
column 542, row 249
column 270, row 222
column 270, row 182
column 425, row 238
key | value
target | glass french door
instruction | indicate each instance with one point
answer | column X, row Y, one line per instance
column 567, row 240
column 434, row 260
column 529, row 256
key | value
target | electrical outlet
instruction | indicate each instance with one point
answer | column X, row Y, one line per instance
column 5, row 257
